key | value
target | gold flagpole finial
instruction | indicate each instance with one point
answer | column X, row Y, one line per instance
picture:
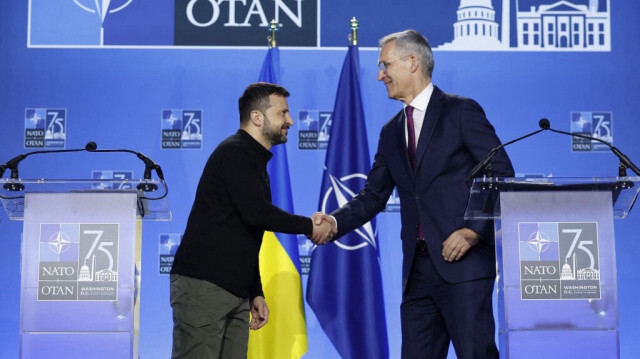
column 355, row 25
column 273, row 28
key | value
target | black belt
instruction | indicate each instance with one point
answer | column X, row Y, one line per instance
column 422, row 245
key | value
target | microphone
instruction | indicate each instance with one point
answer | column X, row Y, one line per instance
column 544, row 124
column 91, row 146
column 485, row 165
column 13, row 163
column 625, row 162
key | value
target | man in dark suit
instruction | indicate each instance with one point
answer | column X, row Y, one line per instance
column 427, row 151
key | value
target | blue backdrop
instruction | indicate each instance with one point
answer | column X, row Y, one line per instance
column 115, row 94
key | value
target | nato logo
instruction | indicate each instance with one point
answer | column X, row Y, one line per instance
column 305, row 248
column 559, row 260
column 337, row 195
column 313, row 129
column 78, row 262
column 167, row 247
column 594, row 124
column 122, row 180
column 308, row 130
column 45, row 128
column 181, row 128
column 76, row 22
column 99, row 23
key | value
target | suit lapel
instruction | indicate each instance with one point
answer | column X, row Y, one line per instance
column 431, row 118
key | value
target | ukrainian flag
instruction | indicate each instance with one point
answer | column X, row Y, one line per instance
column 285, row 335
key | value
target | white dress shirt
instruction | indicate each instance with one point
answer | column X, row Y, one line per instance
column 419, row 105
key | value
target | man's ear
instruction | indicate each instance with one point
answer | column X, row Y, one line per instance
column 415, row 64
column 256, row 118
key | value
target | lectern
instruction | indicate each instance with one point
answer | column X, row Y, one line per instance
column 555, row 251
column 80, row 270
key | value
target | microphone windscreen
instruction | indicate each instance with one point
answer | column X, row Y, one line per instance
column 91, row 146
column 544, row 124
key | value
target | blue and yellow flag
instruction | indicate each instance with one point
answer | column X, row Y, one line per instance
column 285, row 335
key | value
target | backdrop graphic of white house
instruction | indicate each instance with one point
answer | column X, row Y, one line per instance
column 558, row 26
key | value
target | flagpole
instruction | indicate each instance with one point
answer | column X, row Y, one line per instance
column 353, row 37
column 273, row 28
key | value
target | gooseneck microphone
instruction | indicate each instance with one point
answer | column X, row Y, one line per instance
column 13, row 163
column 91, row 146
column 485, row 166
column 625, row 162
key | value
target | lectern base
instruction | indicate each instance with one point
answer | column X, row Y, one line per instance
column 559, row 344
column 78, row 345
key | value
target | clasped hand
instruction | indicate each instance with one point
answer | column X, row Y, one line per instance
column 324, row 228
column 458, row 243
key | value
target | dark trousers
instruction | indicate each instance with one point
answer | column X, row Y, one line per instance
column 208, row 321
column 434, row 312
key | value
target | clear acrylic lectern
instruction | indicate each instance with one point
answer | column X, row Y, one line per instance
column 555, row 251
column 81, row 263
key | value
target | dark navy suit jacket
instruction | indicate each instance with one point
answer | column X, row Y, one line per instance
column 455, row 136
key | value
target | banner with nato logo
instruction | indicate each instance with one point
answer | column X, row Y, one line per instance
column 465, row 25
column 559, row 260
column 305, row 248
column 314, row 128
column 181, row 128
column 78, row 262
column 97, row 23
column 594, row 124
column 167, row 246
column 45, row 128
column 122, row 176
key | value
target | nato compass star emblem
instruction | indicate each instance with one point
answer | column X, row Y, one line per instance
column 171, row 119
column 36, row 119
column 59, row 243
column 306, row 247
column 341, row 194
column 169, row 245
column 582, row 123
column 102, row 8
column 538, row 242
column 308, row 121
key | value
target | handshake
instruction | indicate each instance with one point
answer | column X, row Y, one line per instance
column 324, row 228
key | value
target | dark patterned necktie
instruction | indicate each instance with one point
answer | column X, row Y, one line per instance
column 411, row 149
column 411, row 146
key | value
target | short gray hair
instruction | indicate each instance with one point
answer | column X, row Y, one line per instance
column 411, row 42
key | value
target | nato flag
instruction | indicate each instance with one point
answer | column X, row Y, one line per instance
column 345, row 287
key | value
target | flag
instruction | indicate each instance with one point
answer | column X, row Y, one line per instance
column 345, row 286
column 285, row 335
